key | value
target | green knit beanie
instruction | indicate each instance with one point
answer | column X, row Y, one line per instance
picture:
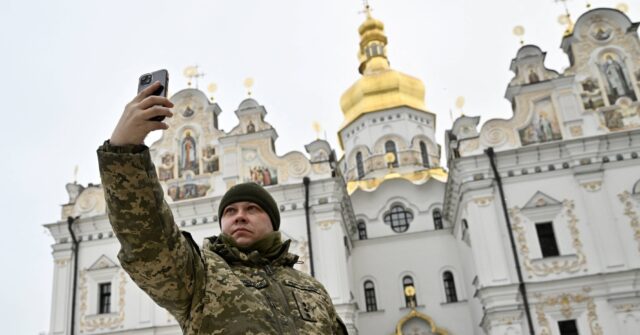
column 255, row 193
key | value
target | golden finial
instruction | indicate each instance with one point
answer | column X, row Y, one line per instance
column 248, row 84
column 192, row 72
column 565, row 19
column 623, row 7
column 316, row 127
column 75, row 174
column 518, row 31
column 460, row 104
column 212, row 88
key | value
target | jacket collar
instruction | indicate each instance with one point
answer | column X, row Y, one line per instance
column 233, row 255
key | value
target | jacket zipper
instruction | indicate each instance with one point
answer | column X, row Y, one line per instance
column 270, row 272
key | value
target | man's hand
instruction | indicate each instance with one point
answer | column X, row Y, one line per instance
column 134, row 124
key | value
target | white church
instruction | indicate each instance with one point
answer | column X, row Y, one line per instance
column 533, row 228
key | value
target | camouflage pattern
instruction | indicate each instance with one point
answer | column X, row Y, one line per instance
column 216, row 290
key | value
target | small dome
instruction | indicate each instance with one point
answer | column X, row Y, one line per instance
column 248, row 103
column 529, row 50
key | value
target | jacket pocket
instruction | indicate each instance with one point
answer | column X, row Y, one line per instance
column 309, row 301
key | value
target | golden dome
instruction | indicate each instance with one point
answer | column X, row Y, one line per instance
column 380, row 87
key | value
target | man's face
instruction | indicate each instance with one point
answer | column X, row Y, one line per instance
column 246, row 222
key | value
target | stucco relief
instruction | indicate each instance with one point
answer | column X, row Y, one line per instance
column 630, row 210
column 90, row 202
column 91, row 323
column 550, row 266
column 567, row 303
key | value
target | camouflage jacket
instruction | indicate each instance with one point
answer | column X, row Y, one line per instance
column 214, row 290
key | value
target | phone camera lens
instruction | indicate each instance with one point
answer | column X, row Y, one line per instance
column 146, row 79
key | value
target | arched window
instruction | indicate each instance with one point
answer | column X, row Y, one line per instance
column 399, row 219
column 424, row 154
column 362, row 230
column 449, row 287
column 390, row 146
column 370, row 296
column 409, row 300
column 359, row 165
column 437, row 219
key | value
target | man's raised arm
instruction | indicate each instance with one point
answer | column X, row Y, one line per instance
column 161, row 260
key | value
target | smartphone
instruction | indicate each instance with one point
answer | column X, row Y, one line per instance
column 149, row 78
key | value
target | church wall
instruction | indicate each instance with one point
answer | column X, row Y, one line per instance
column 420, row 200
column 424, row 256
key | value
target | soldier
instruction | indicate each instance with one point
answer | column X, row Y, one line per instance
column 241, row 282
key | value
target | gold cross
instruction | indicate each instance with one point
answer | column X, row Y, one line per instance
column 367, row 8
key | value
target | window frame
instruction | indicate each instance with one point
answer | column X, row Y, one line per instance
column 449, row 284
column 437, row 219
column 424, row 154
column 370, row 301
column 407, row 280
column 359, row 165
column 572, row 324
column 547, row 239
column 362, row 229
column 392, row 216
column 104, row 298
column 390, row 146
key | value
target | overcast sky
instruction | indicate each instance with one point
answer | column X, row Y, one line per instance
column 69, row 67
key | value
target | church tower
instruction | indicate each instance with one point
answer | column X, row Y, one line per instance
column 386, row 124
column 391, row 165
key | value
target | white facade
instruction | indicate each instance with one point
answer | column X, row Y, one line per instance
column 379, row 223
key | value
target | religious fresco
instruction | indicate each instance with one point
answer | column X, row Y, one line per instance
column 256, row 170
column 591, row 94
column 625, row 116
column 543, row 126
column 188, row 155
column 210, row 160
column 188, row 190
column 165, row 170
column 617, row 79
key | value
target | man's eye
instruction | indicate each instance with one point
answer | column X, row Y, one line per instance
column 229, row 211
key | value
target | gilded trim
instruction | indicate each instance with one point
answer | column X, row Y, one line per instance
column 553, row 266
column 629, row 211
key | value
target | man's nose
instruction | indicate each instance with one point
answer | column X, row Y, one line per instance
column 241, row 216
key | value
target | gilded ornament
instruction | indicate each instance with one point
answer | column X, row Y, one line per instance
column 630, row 211
column 592, row 186
column 483, row 201
column 89, row 323
column 417, row 315
column 326, row 224
column 576, row 131
column 566, row 302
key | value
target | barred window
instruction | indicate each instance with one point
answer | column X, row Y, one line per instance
column 362, row 230
column 359, row 165
column 390, row 146
column 399, row 219
column 437, row 219
column 449, row 287
column 370, row 296
column 104, row 298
